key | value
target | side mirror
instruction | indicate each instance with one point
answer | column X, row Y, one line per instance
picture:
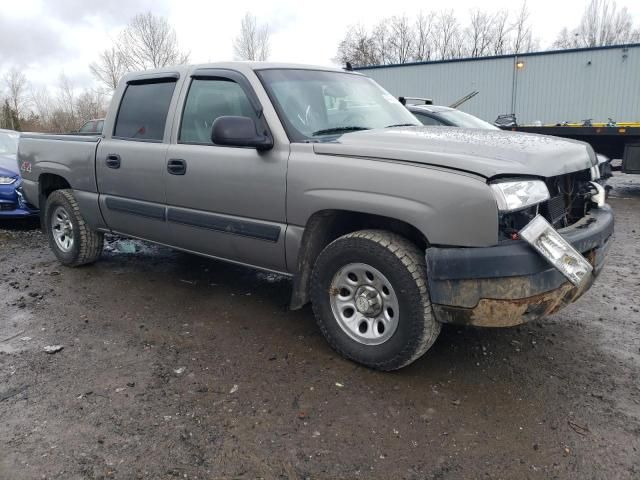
column 239, row 132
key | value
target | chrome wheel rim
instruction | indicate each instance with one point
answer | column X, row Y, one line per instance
column 62, row 229
column 364, row 304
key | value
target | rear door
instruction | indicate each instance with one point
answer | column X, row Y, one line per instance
column 227, row 202
column 131, row 160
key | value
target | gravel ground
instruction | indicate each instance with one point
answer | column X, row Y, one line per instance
column 174, row 366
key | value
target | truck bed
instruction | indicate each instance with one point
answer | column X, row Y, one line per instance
column 72, row 156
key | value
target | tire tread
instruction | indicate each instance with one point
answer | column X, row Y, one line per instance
column 91, row 242
column 425, row 332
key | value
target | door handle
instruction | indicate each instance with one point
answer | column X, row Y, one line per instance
column 177, row 166
column 113, row 160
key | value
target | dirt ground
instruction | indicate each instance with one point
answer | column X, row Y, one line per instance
column 176, row 366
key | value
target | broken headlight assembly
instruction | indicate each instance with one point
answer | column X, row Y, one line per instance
column 515, row 195
column 556, row 250
column 518, row 202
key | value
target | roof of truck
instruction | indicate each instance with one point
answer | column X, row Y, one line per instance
column 235, row 65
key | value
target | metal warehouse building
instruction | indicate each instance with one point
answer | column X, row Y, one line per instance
column 552, row 87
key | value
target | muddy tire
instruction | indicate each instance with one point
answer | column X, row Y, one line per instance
column 73, row 242
column 370, row 299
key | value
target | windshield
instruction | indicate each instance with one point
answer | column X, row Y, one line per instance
column 318, row 105
column 464, row 120
column 8, row 143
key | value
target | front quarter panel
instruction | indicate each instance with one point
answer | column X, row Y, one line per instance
column 449, row 207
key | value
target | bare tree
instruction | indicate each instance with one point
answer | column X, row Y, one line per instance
column 64, row 114
column 479, row 35
column 89, row 104
column 16, row 84
column 357, row 48
column 565, row 39
column 423, row 37
column 438, row 35
column 523, row 40
column 381, row 44
column 8, row 117
column 446, row 35
column 601, row 24
column 401, row 42
column 253, row 41
column 149, row 41
column 63, row 109
column 501, row 32
column 109, row 68
column 43, row 106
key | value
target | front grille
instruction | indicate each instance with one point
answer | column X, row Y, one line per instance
column 554, row 209
column 7, row 206
column 570, row 198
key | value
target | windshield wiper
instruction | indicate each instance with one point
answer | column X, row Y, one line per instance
column 329, row 131
column 402, row 125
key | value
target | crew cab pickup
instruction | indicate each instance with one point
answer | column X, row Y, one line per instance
column 389, row 228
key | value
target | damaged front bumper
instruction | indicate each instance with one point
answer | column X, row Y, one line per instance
column 511, row 283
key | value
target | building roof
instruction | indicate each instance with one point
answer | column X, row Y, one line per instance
column 493, row 57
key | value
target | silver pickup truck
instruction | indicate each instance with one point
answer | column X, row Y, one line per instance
column 387, row 227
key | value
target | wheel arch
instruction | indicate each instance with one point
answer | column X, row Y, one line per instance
column 49, row 183
column 324, row 226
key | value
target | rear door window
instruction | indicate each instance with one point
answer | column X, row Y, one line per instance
column 143, row 111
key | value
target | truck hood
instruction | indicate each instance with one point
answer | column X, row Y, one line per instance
column 488, row 153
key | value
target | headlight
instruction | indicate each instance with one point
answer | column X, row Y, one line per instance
column 516, row 195
column 595, row 172
column 556, row 250
column 7, row 180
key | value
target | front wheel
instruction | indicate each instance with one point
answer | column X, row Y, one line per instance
column 73, row 242
column 370, row 299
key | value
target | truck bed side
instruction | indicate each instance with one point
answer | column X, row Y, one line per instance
column 61, row 160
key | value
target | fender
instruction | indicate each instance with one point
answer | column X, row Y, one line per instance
column 448, row 207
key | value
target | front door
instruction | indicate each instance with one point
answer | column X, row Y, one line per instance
column 224, row 201
column 130, row 162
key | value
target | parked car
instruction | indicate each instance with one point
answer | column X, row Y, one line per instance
column 437, row 115
column 387, row 227
column 12, row 202
column 507, row 120
column 92, row 127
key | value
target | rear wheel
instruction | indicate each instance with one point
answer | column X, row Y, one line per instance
column 73, row 242
column 370, row 299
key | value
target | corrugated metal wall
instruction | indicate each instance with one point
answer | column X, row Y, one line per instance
column 551, row 87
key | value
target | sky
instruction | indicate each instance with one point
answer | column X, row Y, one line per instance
column 45, row 38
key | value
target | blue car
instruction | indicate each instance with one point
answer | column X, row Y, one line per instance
column 12, row 202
